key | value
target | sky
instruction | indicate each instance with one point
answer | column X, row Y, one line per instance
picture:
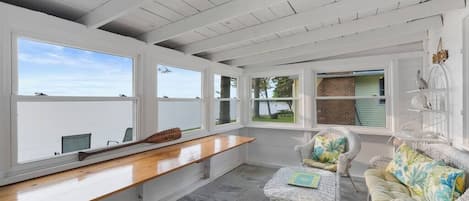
column 63, row 71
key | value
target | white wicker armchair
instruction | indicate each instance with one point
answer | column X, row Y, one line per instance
column 352, row 148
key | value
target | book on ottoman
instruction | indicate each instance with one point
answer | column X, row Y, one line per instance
column 304, row 179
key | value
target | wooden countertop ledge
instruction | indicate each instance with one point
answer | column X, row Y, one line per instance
column 103, row 179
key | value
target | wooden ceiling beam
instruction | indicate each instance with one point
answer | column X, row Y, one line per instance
column 316, row 16
column 220, row 13
column 108, row 12
column 394, row 17
column 384, row 37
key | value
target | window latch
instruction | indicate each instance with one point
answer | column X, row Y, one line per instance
column 122, row 95
column 39, row 94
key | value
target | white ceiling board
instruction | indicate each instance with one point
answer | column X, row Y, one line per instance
column 125, row 26
column 264, row 15
column 208, row 33
column 153, row 21
column 305, row 5
column 162, row 11
column 232, row 46
column 179, row 6
column 413, row 27
column 329, row 12
column 282, row 9
column 292, row 32
column 214, row 15
column 248, row 20
column 233, row 24
column 265, row 38
column 346, row 46
column 410, row 47
column 219, row 28
column 189, row 37
column 218, row 2
column 108, row 12
column 200, row 5
column 70, row 10
column 137, row 22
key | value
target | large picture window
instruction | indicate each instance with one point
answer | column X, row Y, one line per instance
column 226, row 99
column 69, row 99
column 351, row 98
column 274, row 99
column 179, row 98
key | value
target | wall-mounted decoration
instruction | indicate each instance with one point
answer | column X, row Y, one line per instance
column 441, row 54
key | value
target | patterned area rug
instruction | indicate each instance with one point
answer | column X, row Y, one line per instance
column 246, row 182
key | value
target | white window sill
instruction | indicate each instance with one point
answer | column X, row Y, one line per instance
column 360, row 130
column 226, row 127
column 279, row 126
column 461, row 147
column 356, row 129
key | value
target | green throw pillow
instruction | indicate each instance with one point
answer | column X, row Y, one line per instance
column 444, row 183
column 328, row 149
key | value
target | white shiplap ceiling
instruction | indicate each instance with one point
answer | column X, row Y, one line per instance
column 252, row 32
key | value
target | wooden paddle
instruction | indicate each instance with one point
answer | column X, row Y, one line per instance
column 162, row 136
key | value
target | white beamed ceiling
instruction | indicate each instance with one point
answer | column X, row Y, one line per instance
column 237, row 31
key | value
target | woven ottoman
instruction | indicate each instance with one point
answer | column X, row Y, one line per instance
column 277, row 189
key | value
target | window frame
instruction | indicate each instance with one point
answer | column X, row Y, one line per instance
column 387, row 98
column 15, row 98
column 465, row 113
column 214, row 100
column 299, row 122
column 201, row 100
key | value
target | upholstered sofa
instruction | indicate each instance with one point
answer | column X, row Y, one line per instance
column 384, row 186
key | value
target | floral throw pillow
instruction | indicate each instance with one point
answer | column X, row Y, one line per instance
column 444, row 183
column 416, row 176
column 327, row 149
column 404, row 157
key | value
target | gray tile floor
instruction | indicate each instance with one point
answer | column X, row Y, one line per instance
column 246, row 182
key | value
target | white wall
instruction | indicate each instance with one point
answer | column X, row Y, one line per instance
column 275, row 148
column 18, row 21
column 452, row 34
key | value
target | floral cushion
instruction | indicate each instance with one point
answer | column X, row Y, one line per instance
column 325, row 166
column 328, row 149
column 416, row 177
column 404, row 157
column 444, row 183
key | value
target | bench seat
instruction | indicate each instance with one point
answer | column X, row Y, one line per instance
column 383, row 186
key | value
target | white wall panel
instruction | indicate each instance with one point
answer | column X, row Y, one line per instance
column 276, row 148
column 452, row 35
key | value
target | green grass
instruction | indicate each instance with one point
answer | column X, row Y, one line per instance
column 280, row 119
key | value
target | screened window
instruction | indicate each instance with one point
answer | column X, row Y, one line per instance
column 274, row 99
column 70, row 99
column 179, row 98
column 226, row 99
column 351, row 98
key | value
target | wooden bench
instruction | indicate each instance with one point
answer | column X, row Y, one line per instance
column 103, row 179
